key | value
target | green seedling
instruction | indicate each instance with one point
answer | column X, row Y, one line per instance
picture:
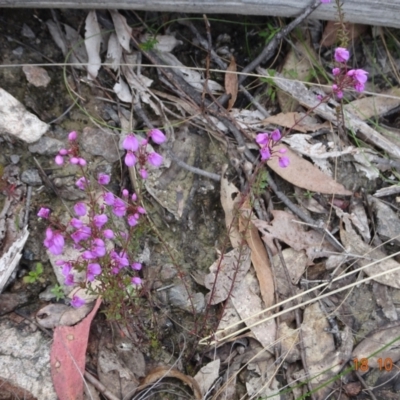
column 58, row 292
column 35, row 275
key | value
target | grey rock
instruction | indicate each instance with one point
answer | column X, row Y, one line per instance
column 31, row 177
column 178, row 297
column 46, row 146
column 18, row 51
column 27, row 32
column 15, row 158
column 25, row 360
column 100, row 142
column 387, row 221
column 168, row 271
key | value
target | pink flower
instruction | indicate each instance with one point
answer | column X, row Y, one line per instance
column 63, row 152
column 54, row 242
column 155, row 159
column 136, row 266
column 336, row 71
column 77, row 302
column 81, row 234
column 265, row 153
column 143, row 173
column 80, row 209
column 66, row 269
column 130, row 159
column 43, row 213
column 109, row 198
column 69, row 280
column 283, row 162
column 132, row 220
column 81, row 183
column 103, row 179
column 134, row 197
column 136, row 281
column 100, row 219
column 59, row 160
column 262, row 139
column 141, row 210
column 359, row 75
column 359, row 87
column 92, row 271
column 108, row 233
column 74, row 160
column 275, row 135
column 98, row 248
column 88, row 255
column 337, row 91
column 76, row 223
column 157, row 136
column 119, row 207
column 72, row 136
column 130, row 143
column 125, row 193
column 341, row 54
column 81, row 161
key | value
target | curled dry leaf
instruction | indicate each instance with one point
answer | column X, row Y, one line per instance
column 323, row 360
column 302, row 122
column 160, row 373
column 208, row 375
column 122, row 90
column 303, row 174
column 54, row 315
column 259, row 256
column 317, row 151
column 284, row 228
column 114, row 52
column 382, row 344
column 227, row 274
column 123, row 30
column 374, row 106
column 93, row 42
column 231, row 83
column 355, row 245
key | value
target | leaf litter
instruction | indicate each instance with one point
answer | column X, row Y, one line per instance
column 248, row 276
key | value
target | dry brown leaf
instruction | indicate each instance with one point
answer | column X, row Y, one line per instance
column 247, row 302
column 230, row 196
column 329, row 37
column 371, row 347
column 227, row 274
column 303, row 174
column 322, row 358
column 297, row 65
column 283, row 228
column 93, row 42
column 302, row 122
column 122, row 29
column 374, row 106
column 259, row 256
column 231, row 83
column 355, row 245
column 208, row 375
column 37, row 76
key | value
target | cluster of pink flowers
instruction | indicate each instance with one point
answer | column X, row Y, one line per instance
column 92, row 227
column 72, row 153
column 267, row 141
column 137, row 152
column 344, row 78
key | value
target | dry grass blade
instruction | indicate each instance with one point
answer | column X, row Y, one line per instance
column 210, row 340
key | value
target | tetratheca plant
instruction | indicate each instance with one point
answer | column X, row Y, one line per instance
column 106, row 264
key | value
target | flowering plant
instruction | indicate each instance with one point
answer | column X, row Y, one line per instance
column 106, row 251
